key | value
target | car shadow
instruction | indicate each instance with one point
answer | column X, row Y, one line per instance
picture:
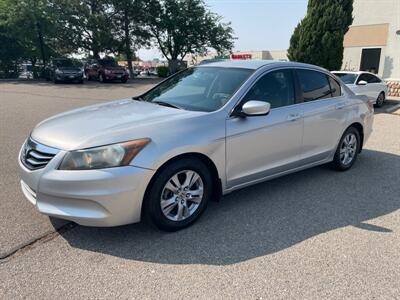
column 264, row 218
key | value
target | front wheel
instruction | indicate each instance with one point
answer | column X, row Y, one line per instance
column 380, row 100
column 179, row 194
column 347, row 150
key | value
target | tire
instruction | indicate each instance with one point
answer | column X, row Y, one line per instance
column 170, row 219
column 344, row 149
column 124, row 80
column 380, row 100
column 80, row 81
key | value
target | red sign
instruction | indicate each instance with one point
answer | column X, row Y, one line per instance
column 241, row 56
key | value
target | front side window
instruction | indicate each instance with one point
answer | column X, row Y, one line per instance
column 364, row 77
column 275, row 87
column 200, row 89
column 314, row 85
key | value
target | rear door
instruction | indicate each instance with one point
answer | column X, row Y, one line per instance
column 325, row 112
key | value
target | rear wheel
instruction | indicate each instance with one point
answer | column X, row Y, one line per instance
column 178, row 195
column 380, row 100
column 347, row 150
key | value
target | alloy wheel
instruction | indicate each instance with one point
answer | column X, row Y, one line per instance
column 348, row 149
column 182, row 195
column 380, row 100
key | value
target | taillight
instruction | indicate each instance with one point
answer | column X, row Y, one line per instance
column 371, row 105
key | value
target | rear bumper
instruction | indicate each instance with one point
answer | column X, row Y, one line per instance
column 107, row 197
column 115, row 77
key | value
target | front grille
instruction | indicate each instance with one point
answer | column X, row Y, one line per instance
column 36, row 156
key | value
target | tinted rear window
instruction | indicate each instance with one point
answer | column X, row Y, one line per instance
column 314, row 85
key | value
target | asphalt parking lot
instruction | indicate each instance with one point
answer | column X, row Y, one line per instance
column 310, row 235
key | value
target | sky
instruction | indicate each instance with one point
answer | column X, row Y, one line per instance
column 258, row 24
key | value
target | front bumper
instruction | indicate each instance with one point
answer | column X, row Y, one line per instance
column 69, row 77
column 106, row 197
column 112, row 76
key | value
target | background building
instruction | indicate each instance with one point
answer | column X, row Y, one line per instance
column 258, row 55
column 373, row 41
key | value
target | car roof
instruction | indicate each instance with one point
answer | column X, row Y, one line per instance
column 349, row 72
column 256, row 64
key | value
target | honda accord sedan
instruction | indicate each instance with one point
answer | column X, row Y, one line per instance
column 200, row 134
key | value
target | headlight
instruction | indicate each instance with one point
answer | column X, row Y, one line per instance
column 103, row 157
column 58, row 71
column 107, row 71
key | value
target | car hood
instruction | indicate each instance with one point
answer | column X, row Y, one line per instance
column 107, row 123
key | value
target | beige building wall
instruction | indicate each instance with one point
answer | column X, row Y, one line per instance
column 375, row 25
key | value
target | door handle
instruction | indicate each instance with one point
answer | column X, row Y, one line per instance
column 293, row 117
column 340, row 105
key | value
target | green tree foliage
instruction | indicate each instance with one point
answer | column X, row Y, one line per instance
column 29, row 30
column 36, row 30
column 181, row 27
column 87, row 25
column 129, row 30
column 318, row 38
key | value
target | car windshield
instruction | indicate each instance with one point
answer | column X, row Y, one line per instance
column 199, row 89
column 348, row 78
column 64, row 63
column 108, row 63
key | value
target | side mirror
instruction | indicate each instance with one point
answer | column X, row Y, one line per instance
column 362, row 82
column 256, row 108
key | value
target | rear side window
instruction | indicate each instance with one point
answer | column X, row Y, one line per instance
column 314, row 85
column 335, row 87
column 374, row 79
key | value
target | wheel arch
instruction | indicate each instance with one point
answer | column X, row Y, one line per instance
column 217, row 184
column 360, row 130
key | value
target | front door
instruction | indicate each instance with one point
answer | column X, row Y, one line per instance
column 261, row 146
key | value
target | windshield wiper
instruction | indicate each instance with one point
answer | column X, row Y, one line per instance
column 138, row 98
column 166, row 104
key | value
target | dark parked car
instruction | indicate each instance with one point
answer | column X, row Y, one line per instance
column 64, row 69
column 105, row 70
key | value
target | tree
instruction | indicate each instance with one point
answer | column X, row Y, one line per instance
column 29, row 27
column 88, row 25
column 182, row 27
column 318, row 38
column 129, row 28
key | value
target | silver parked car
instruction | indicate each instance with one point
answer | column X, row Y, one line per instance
column 206, row 131
column 365, row 83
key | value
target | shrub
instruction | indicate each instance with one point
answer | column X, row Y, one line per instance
column 162, row 71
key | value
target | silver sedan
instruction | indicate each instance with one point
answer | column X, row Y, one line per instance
column 202, row 133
